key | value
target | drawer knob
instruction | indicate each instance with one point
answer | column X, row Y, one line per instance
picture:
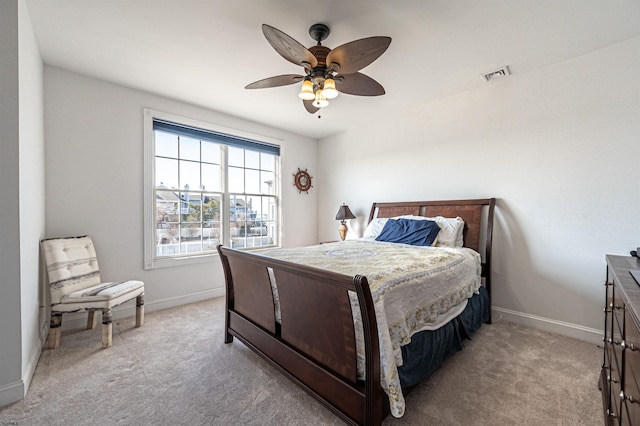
column 611, row 380
column 611, row 413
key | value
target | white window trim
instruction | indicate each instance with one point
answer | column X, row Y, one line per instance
column 150, row 260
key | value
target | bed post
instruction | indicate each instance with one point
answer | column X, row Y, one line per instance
column 373, row 391
column 487, row 251
column 228, row 298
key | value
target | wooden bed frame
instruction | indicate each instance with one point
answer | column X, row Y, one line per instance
column 315, row 343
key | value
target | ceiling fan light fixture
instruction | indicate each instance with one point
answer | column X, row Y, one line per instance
column 329, row 91
column 306, row 91
column 320, row 101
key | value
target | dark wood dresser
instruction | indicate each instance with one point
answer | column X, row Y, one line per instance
column 620, row 376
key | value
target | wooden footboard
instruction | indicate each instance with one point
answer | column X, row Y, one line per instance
column 314, row 344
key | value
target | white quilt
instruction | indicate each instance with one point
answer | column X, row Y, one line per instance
column 413, row 288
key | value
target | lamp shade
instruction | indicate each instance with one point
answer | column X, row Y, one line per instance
column 320, row 101
column 329, row 89
column 344, row 213
column 306, row 91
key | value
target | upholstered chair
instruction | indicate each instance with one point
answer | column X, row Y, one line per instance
column 74, row 282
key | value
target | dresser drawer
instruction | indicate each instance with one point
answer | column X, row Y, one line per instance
column 615, row 356
column 631, row 381
column 615, row 401
column 631, row 371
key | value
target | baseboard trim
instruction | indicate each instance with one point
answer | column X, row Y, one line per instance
column 31, row 369
column 12, row 392
column 79, row 319
column 575, row 331
column 183, row 300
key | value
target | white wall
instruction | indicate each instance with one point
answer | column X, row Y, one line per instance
column 560, row 149
column 94, row 182
column 32, row 197
column 10, row 332
column 22, row 209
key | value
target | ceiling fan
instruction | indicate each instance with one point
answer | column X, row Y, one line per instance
column 327, row 71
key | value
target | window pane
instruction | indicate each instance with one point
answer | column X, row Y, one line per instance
column 254, row 208
column 167, row 203
column 210, row 152
column 189, row 149
column 166, row 144
column 267, row 162
column 211, row 209
column 236, row 179
column 266, row 183
column 211, row 235
column 189, row 175
column 193, row 207
column 252, row 182
column 252, row 159
column 190, row 238
column 211, row 177
column 166, row 173
column 236, row 156
column 269, row 208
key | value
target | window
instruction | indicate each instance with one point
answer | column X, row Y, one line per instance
column 206, row 186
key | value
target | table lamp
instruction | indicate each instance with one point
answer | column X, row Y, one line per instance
column 343, row 215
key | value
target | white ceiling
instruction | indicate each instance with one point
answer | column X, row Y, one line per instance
column 205, row 51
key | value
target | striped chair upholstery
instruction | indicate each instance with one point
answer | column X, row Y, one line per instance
column 75, row 285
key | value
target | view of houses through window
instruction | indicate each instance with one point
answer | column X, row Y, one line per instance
column 208, row 192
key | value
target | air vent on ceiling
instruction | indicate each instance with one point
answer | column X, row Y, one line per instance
column 499, row 73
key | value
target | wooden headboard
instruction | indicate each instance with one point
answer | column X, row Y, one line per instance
column 471, row 211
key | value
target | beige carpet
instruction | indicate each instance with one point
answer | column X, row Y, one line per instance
column 176, row 370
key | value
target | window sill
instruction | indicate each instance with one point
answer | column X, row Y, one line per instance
column 169, row 262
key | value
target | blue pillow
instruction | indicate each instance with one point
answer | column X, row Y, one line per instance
column 408, row 231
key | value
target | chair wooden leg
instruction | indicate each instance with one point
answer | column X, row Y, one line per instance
column 91, row 320
column 53, row 340
column 140, row 310
column 106, row 328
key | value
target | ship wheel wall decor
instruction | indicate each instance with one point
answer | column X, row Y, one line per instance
column 302, row 180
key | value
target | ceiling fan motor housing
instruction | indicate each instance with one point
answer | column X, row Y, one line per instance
column 319, row 72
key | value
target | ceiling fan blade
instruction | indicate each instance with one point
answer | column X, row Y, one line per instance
column 358, row 84
column 355, row 55
column 308, row 105
column 288, row 47
column 278, row 80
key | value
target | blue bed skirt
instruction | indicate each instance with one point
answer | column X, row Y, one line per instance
column 428, row 349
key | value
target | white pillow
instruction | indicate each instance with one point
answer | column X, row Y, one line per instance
column 374, row 228
column 451, row 229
